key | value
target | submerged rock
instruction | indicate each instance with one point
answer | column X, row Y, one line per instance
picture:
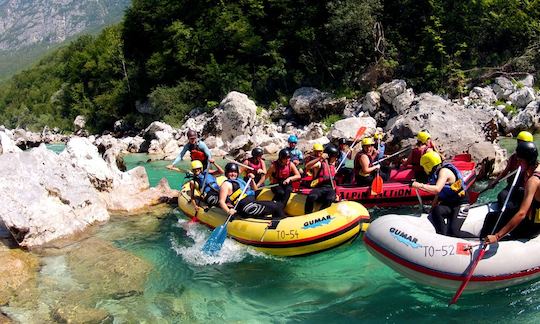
column 18, row 271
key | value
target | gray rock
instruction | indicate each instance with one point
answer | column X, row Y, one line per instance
column 347, row 128
column 522, row 97
column 372, row 101
column 485, row 94
column 79, row 123
column 238, row 115
column 402, row 102
column 7, row 145
column 391, row 90
column 303, row 98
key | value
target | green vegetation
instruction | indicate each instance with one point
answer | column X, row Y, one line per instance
column 330, row 120
column 173, row 56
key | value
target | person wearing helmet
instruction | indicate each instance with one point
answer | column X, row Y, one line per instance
column 257, row 165
column 324, row 171
column 343, row 173
column 230, row 196
column 525, row 222
column 423, row 145
column 514, row 161
column 364, row 169
column 451, row 205
column 283, row 172
column 379, row 143
column 205, row 182
column 525, row 157
column 197, row 149
column 297, row 156
column 312, row 159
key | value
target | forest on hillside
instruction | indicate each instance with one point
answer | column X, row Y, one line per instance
column 174, row 56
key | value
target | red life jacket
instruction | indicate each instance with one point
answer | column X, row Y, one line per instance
column 196, row 152
column 417, row 155
column 257, row 165
column 324, row 174
column 281, row 172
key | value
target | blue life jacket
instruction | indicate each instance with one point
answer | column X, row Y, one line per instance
column 238, row 186
column 451, row 193
column 210, row 184
column 382, row 148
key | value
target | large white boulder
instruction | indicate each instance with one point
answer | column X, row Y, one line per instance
column 44, row 196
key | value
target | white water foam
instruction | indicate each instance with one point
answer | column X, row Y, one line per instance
column 231, row 251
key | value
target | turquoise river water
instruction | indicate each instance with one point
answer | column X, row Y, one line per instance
column 342, row 285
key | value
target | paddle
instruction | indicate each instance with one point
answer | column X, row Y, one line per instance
column 392, row 155
column 240, row 164
column 359, row 134
column 201, row 193
column 377, row 185
column 482, row 251
column 473, row 196
column 219, row 234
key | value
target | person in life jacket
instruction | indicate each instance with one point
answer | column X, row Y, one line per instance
column 324, row 171
column 314, row 156
column 297, row 157
column 283, row 172
column 344, row 174
column 379, row 143
column 364, row 170
column 424, row 144
column 522, row 221
column 198, row 151
column 451, row 204
column 514, row 161
column 256, row 162
column 209, row 186
column 230, row 196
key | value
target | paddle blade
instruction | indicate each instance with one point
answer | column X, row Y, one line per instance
column 215, row 241
column 469, row 275
column 360, row 132
column 377, row 185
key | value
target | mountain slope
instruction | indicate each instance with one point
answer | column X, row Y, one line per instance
column 30, row 28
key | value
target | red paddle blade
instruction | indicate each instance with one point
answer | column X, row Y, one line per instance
column 377, row 185
column 360, row 132
column 469, row 275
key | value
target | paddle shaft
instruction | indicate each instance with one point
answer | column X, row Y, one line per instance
column 502, row 179
column 240, row 164
column 485, row 244
column 359, row 134
column 392, row 155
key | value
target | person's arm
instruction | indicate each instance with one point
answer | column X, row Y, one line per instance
column 316, row 160
column 444, row 175
column 218, row 170
column 243, row 170
column 530, row 190
column 204, row 148
column 224, row 192
column 294, row 177
column 180, row 156
column 366, row 168
column 270, row 172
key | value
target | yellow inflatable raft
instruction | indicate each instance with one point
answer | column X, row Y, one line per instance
column 295, row 235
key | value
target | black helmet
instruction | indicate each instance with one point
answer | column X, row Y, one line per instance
column 256, row 152
column 342, row 141
column 231, row 167
column 284, row 153
column 331, row 150
column 527, row 151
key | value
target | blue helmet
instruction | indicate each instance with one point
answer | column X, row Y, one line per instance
column 292, row 139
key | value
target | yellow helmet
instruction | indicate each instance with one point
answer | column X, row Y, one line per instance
column 196, row 164
column 378, row 135
column 525, row 136
column 368, row 141
column 430, row 160
column 318, row 147
column 423, row 137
